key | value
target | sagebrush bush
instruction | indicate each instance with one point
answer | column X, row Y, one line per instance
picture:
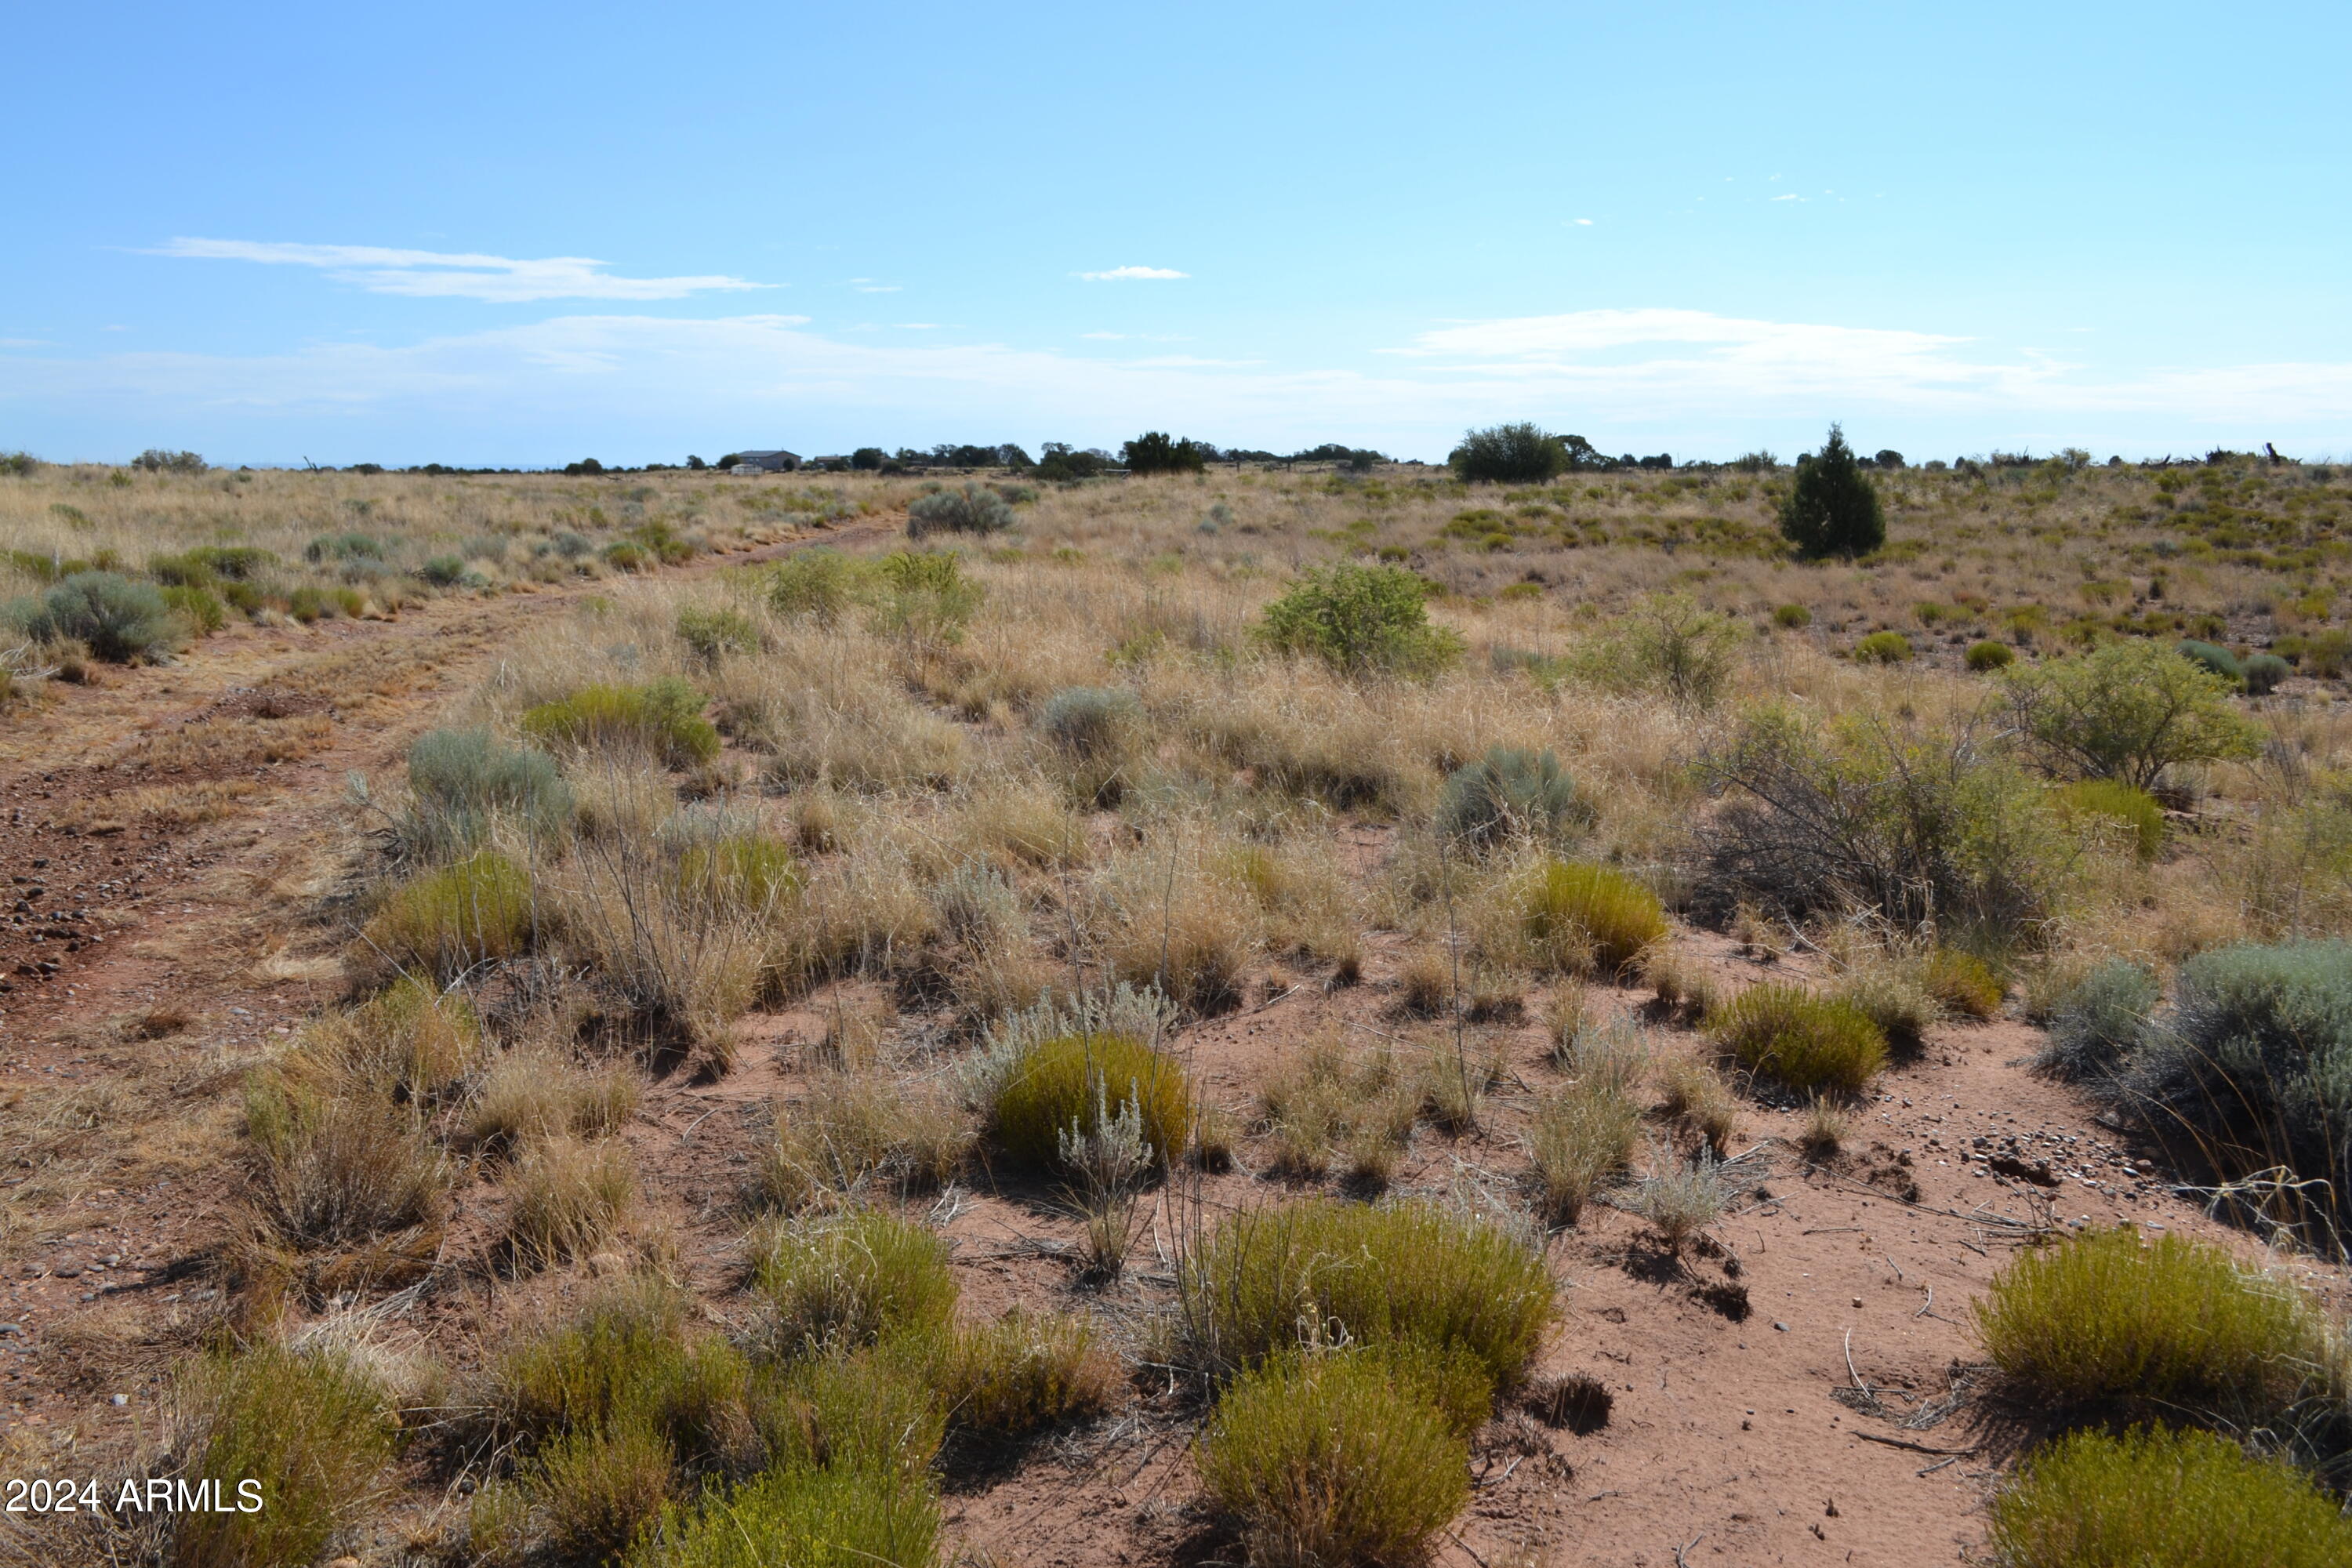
column 847, row 1279
column 312, row 1429
column 1361, row 619
column 2212, row 659
column 1882, row 647
column 663, row 718
column 1330, row 1272
column 444, row 923
column 2113, row 1323
column 1575, row 906
column 2097, row 1022
column 2263, row 673
column 969, row 510
column 2255, row 1068
column 2153, row 1496
column 1065, row 1083
column 119, row 620
column 1510, row 792
column 1331, row 1458
column 808, row 1517
column 460, row 781
column 2132, row 812
column 1807, row 1041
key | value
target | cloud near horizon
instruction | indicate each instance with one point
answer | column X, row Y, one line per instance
column 436, row 275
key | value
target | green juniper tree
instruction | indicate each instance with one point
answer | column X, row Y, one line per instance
column 1832, row 509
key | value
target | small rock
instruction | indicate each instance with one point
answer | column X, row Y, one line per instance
column 10, row 1330
column 120, row 1400
column 68, row 1270
column 1857, row 1300
column 1783, row 1327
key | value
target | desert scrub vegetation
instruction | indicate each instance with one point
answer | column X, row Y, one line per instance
column 1361, row 619
column 1056, row 1071
column 852, row 1278
column 444, row 923
column 662, row 717
column 2157, row 1494
column 1581, row 914
column 1509, row 793
column 1809, row 1042
column 464, row 783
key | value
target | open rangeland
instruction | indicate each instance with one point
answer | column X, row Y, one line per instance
column 1278, row 1016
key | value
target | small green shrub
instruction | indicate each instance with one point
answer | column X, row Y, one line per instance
column 970, row 509
column 922, row 595
column 711, row 633
column 2133, row 810
column 1792, row 618
column 1963, row 983
column 663, row 717
column 313, row 1430
column 1020, row 1374
column 1510, row 792
column 872, row 1410
column 1361, row 619
column 1573, row 904
column 2182, row 1500
column 596, row 1487
column 2253, row 1066
column 237, row 563
column 848, row 1279
column 460, row 781
column 1986, row 656
column 1673, row 646
column 2213, row 659
column 740, row 873
column 117, row 619
column 1808, row 1042
column 1330, row 1272
column 443, row 571
column 1831, row 507
column 2110, row 1322
column 444, row 923
column 830, row 1517
column 1882, row 647
column 2263, row 671
column 1072, row 1081
column 1326, row 1459
column 663, row 542
column 820, row 584
column 199, row 607
column 2127, row 711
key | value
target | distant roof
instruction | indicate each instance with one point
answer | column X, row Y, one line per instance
column 776, row 452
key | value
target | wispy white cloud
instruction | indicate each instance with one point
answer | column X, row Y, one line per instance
column 437, row 275
column 1133, row 274
column 1584, row 223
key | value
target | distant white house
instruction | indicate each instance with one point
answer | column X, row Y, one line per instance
column 776, row 462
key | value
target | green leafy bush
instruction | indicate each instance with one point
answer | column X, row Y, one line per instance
column 663, row 717
column 1986, row 656
column 1882, row 647
column 1831, row 509
column 1520, row 454
column 2255, row 1067
column 2128, row 712
column 820, row 584
column 970, row 509
column 1963, row 983
column 851, row 1278
column 443, row 571
column 117, row 619
column 922, row 595
column 444, row 923
column 1792, row 618
column 1361, row 619
column 1328, row 1272
column 460, row 781
column 200, row 609
column 313, row 1430
column 1332, row 1459
column 711, row 633
column 2182, row 1500
column 829, row 1517
column 1808, row 1042
column 1926, row 828
column 1508, row 793
column 2110, row 1323
column 1573, row 904
column 2131, row 811
column 1156, row 452
column 2098, row 1022
column 1073, row 1081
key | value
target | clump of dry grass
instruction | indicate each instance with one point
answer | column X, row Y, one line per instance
column 1580, row 1139
column 529, row 1095
column 333, row 1163
column 856, row 1126
column 567, row 1199
column 1331, row 1107
column 1022, row 1373
column 1680, row 1197
column 1693, row 1095
column 1823, row 1130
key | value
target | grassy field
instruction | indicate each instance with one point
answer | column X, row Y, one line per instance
column 782, row 1033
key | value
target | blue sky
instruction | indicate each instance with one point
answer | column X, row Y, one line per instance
column 521, row 234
